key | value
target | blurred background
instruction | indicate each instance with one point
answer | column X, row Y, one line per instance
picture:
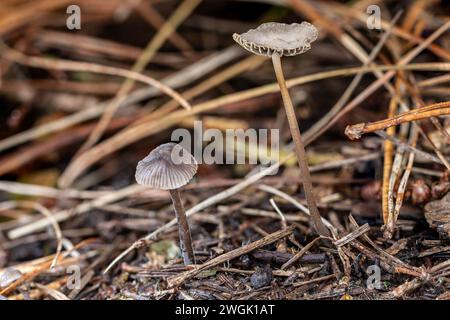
column 75, row 120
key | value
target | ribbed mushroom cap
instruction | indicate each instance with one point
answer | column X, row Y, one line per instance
column 283, row 39
column 167, row 167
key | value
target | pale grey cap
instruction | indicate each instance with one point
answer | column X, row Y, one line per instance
column 283, row 39
column 166, row 167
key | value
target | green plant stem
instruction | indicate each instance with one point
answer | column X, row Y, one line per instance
column 299, row 148
column 183, row 228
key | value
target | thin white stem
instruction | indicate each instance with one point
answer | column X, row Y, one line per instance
column 299, row 148
column 184, row 232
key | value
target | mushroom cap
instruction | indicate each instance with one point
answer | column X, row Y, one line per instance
column 166, row 167
column 283, row 39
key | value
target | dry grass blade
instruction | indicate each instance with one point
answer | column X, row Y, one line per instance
column 47, row 192
column 321, row 125
column 128, row 136
column 405, row 146
column 48, row 215
column 182, row 78
column 185, row 8
column 352, row 235
column 28, row 11
column 387, row 164
column 297, row 204
column 42, row 266
column 81, row 208
column 57, row 295
column 149, row 13
column 67, row 65
column 385, row 78
column 385, row 24
column 300, row 254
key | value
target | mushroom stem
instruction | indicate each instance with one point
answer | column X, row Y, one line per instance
column 299, row 148
column 183, row 228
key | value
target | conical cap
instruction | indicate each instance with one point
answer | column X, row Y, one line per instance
column 167, row 167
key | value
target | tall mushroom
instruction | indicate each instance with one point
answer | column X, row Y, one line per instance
column 276, row 40
column 170, row 167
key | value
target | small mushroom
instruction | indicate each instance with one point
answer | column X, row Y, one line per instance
column 276, row 40
column 170, row 167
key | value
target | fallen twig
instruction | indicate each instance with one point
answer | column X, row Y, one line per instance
column 438, row 109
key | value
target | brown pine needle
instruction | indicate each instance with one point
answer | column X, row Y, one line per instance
column 387, row 165
column 45, row 212
column 130, row 135
column 147, row 55
column 67, row 65
column 435, row 110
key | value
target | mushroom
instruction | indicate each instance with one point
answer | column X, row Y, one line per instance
column 276, row 40
column 170, row 167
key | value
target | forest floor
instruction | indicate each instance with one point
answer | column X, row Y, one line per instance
column 80, row 108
